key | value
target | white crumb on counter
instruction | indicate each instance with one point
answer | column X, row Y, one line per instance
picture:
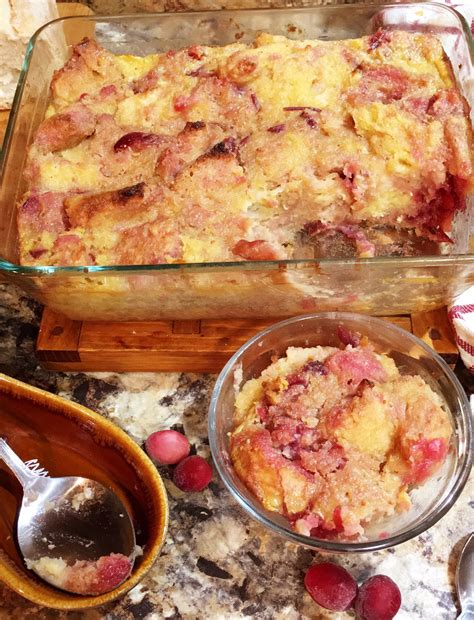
column 290, row 613
column 218, row 539
column 137, row 593
column 137, row 409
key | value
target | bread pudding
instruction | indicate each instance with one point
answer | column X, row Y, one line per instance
column 333, row 439
column 85, row 577
column 278, row 149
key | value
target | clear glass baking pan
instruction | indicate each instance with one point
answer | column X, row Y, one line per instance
column 241, row 289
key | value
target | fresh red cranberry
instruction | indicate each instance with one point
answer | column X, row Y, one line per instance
column 378, row 599
column 167, row 447
column 331, row 586
column 192, row 474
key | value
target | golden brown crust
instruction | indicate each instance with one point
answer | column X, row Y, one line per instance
column 89, row 68
column 110, row 208
column 194, row 140
column 66, row 129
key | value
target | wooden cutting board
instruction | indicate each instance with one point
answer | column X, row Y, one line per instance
column 65, row 9
column 184, row 346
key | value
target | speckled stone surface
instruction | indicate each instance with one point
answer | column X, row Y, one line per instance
column 121, row 7
column 217, row 563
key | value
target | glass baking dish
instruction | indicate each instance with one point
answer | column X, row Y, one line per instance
column 389, row 285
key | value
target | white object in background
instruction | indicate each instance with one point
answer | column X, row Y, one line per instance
column 19, row 19
column 461, row 313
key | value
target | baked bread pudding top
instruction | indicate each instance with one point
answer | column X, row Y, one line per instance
column 333, row 439
column 273, row 150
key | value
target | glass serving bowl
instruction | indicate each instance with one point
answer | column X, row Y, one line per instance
column 431, row 500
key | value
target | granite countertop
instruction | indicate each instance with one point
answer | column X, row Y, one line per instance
column 122, row 7
column 216, row 562
column 111, row 7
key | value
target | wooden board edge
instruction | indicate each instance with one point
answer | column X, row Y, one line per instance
column 176, row 346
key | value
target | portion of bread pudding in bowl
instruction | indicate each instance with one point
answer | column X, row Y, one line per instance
column 333, row 438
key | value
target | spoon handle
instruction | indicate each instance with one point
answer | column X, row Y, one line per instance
column 21, row 471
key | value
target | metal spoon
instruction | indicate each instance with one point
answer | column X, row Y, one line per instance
column 465, row 580
column 70, row 529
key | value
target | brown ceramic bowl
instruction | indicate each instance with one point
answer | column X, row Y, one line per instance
column 70, row 440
